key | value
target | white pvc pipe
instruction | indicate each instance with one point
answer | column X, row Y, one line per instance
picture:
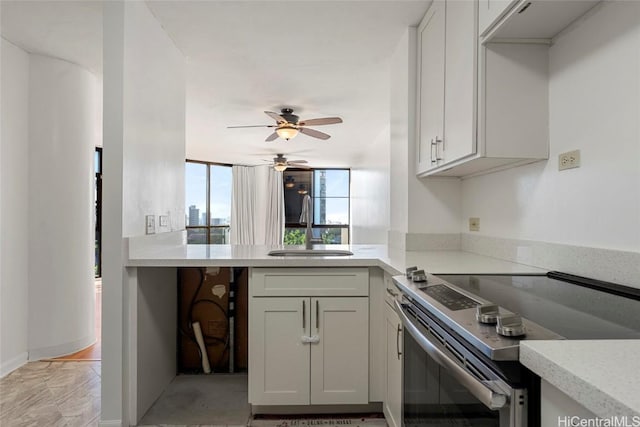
column 203, row 350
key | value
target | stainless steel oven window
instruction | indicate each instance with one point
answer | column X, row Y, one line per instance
column 435, row 393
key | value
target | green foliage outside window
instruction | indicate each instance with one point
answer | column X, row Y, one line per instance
column 294, row 237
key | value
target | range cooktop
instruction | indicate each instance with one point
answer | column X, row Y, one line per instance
column 571, row 310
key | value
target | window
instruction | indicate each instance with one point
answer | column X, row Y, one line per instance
column 329, row 192
column 208, row 202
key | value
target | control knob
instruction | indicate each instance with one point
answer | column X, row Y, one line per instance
column 487, row 313
column 510, row 325
column 410, row 271
column 419, row 276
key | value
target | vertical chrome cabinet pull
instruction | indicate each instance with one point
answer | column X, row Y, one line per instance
column 304, row 315
column 398, row 332
column 431, row 150
column 317, row 315
column 438, row 140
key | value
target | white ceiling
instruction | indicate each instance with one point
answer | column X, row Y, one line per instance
column 322, row 58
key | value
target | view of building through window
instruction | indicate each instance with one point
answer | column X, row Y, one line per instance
column 329, row 192
column 208, row 202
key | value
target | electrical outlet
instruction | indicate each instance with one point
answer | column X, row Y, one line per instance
column 474, row 224
column 569, row 160
column 150, row 223
column 163, row 220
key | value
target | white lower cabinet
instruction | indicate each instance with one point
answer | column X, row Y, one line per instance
column 308, row 350
column 393, row 396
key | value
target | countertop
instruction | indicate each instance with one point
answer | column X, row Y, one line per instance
column 601, row 375
column 393, row 261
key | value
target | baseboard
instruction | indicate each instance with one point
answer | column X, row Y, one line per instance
column 316, row 409
column 110, row 423
column 61, row 349
column 12, row 364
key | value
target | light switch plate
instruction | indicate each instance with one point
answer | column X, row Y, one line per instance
column 150, row 223
column 164, row 220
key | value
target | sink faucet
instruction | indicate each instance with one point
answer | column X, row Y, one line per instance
column 305, row 218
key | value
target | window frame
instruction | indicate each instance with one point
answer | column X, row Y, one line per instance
column 296, row 225
column 208, row 227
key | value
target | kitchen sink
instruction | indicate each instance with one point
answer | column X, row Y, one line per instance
column 310, row 252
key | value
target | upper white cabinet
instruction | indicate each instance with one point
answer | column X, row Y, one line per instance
column 529, row 19
column 431, row 46
column 447, row 84
column 487, row 108
column 489, row 11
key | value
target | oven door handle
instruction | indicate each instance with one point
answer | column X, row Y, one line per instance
column 490, row 398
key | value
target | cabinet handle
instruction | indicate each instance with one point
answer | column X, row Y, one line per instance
column 398, row 331
column 431, row 152
column 436, row 144
column 317, row 315
column 304, row 315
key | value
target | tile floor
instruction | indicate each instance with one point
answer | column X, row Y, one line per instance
column 51, row 394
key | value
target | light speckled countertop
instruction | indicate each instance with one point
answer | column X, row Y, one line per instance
column 601, row 375
column 145, row 252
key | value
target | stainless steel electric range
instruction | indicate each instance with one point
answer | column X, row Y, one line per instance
column 462, row 335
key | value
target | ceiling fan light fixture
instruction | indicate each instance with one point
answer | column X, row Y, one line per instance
column 287, row 132
column 289, row 182
column 280, row 167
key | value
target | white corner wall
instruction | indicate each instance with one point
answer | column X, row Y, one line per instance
column 418, row 206
column 594, row 96
column 153, row 104
column 370, row 194
column 62, row 101
column 14, row 225
column 144, row 153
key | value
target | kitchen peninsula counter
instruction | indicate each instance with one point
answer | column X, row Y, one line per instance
column 600, row 375
column 391, row 260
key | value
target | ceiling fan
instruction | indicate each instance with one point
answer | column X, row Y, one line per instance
column 288, row 125
column 280, row 163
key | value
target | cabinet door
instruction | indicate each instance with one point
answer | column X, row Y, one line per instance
column 393, row 398
column 278, row 359
column 460, row 80
column 340, row 359
column 489, row 11
column 430, row 114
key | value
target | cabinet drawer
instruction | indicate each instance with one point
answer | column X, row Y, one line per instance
column 266, row 282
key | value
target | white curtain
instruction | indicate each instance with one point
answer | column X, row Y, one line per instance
column 257, row 208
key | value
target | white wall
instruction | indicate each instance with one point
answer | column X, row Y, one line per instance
column 370, row 193
column 154, row 124
column 594, row 96
column 144, row 151
column 418, row 205
column 14, row 226
column 62, row 101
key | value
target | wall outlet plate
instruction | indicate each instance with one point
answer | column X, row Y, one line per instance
column 163, row 220
column 474, row 224
column 150, row 224
column 569, row 160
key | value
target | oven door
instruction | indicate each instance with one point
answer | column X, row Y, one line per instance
column 446, row 385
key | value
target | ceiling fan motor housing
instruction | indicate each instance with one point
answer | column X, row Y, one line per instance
column 287, row 114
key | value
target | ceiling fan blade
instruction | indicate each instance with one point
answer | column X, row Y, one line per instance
column 318, row 122
column 314, row 133
column 272, row 137
column 252, row 126
column 298, row 161
column 275, row 116
column 299, row 166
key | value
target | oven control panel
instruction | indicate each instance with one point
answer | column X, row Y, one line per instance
column 451, row 299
